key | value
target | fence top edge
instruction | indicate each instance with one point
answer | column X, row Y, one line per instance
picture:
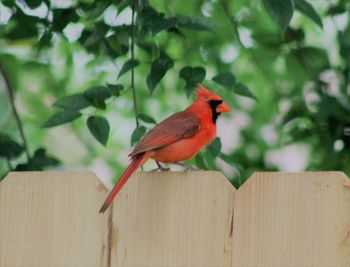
column 88, row 174
column 339, row 175
column 256, row 175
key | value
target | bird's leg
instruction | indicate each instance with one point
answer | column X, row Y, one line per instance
column 184, row 165
column 160, row 167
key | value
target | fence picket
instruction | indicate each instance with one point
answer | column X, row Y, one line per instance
column 174, row 219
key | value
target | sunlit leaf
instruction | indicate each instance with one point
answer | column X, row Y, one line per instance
column 158, row 69
column 99, row 128
column 281, row 11
column 192, row 76
column 62, row 117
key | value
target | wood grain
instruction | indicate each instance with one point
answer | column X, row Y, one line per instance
column 292, row 219
column 51, row 219
column 174, row 219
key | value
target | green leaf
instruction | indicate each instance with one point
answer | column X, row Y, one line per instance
column 115, row 89
column 97, row 96
column 336, row 9
column 226, row 79
column 25, row 26
column 76, row 101
column 281, row 11
column 62, row 17
column 41, row 158
column 146, row 118
column 33, row 3
column 20, row 33
column 154, row 21
column 194, row 23
column 92, row 39
column 215, row 147
column 308, row 10
column 313, row 60
column 38, row 162
column 62, row 117
column 137, row 134
column 226, row 158
column 98, row 9
column 29, row 166
column 8, row 147
column 132, row 63
column 99, row 127
column 158, row 69
column 9, row 3
column 192, row 76
column 200, row 161
column 241, row 89
column 116, row 46
column 98, row 92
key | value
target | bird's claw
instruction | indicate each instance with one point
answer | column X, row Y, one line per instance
column 162, row 169
column 191, row 168
column 185, row 166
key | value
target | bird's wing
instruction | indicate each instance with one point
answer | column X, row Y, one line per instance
column 178, row 126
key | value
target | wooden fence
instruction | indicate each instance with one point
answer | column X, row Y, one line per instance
column 193, row 219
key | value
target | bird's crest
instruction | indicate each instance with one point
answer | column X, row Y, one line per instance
column 203, row 92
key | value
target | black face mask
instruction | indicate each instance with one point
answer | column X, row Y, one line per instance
column 213, row 105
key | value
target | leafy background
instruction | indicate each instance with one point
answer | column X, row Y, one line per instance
column 88, row 78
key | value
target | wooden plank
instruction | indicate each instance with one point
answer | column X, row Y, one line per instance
column 51, row 219
column 292, row 219
column 173, row 219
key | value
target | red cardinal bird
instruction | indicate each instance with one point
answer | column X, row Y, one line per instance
column 177, row 138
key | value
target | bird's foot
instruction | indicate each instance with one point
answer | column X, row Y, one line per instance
column 186, row 167
column 160, row 168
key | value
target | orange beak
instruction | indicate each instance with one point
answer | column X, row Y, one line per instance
column 223, row 107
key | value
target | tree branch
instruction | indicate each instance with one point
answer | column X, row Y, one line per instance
column 133, row 58
column 14, row 110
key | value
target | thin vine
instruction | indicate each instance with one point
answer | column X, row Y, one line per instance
column 133, row 59
column 10, row 91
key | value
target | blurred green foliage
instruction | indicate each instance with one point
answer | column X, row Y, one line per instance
column 281, row 64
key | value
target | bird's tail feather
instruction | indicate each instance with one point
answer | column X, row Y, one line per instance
column 135, row 163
